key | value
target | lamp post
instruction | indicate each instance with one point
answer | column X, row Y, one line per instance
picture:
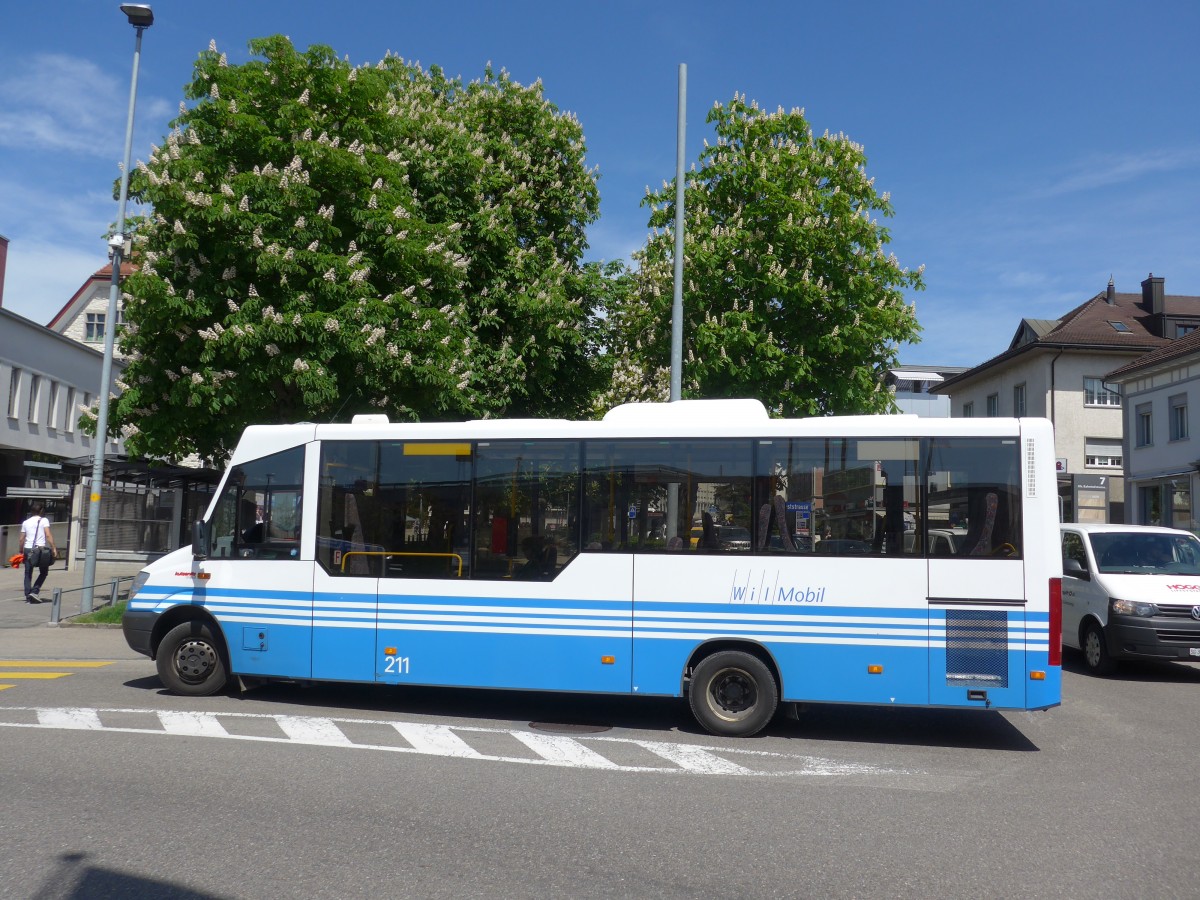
column 140, row 17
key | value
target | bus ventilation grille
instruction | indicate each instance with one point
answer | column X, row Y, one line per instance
column 1030, row 469
column 977, row 648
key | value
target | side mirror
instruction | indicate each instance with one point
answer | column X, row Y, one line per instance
column 1074, row 569
column 200, row 540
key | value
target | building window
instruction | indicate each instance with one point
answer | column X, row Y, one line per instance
column 72, row 413
column 93, row 329
column 1181, row 330
column 14, row 393
column 968, row 410
column 1097, row 393
column 1102, row 454
column 1019, row 400
column 35, row 395
column 993, row 405
column 1179, row 423
column 53, row 414
column 1145, row 425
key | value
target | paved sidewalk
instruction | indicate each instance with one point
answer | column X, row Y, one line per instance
column 26, row 624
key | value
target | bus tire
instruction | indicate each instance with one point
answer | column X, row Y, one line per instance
column 733, row 694
column 1095, row 650
column 191, row 661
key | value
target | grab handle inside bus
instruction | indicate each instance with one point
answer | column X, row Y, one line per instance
column 199, row 539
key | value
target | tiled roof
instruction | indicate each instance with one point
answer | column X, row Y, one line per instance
column 1176, row 349
column 1090, row 326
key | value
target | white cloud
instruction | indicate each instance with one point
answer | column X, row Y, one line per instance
column 59, row 103
column 42, row 277
column 1110, row 169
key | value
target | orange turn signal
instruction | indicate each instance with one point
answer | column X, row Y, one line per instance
column 389, row 651
column 1037, row 676
column 204, row 576
column 608, row 660
column 874, row 670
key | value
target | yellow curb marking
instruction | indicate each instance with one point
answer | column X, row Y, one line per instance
column 26, row 676
column 52, row 663
column 7, row 665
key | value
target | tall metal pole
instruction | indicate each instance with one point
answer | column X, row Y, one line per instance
column 677, row 305
column 117, row 243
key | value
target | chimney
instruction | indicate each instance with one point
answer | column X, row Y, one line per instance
column 1152, row 295
column 1111, row 296
column 3, row 263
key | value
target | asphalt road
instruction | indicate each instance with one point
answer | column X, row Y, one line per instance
column 111, row 787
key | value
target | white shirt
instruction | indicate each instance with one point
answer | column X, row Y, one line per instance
column 33, row 530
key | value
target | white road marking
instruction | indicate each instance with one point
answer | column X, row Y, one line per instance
column 564, row 750
column 309, row 730
column 85, row 719
column 436, row 740
column 695, row 759
column 587, row 753
column 193, row 723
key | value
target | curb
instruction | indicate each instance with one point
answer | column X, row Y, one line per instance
column 65, row 624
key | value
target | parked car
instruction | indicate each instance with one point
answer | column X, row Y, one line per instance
column 1130, row 592
column 942, row 541
column 733, row 537
column 843, row 547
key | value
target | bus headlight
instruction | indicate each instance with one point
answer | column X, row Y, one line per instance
column 1132, row 608
column 139, row 582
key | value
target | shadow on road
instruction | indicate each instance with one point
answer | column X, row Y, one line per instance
column 75, row 879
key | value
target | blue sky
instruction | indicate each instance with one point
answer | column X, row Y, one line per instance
column 1032, row 149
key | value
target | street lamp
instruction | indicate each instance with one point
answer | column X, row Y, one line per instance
column 140, row 17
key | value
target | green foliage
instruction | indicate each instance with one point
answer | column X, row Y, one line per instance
column 789, row 295
column 329, row 239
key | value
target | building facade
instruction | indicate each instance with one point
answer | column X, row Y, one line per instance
column 1161, row 455
column 1058, row 368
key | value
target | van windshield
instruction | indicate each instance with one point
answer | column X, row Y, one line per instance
column 1146, row 553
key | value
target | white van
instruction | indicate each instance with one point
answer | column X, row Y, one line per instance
column 1130, row 592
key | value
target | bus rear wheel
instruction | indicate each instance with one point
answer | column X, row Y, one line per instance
column 190, row 660
column 733, row 693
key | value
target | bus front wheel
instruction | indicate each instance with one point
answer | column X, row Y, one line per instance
column 190, row 660
column 733, row 693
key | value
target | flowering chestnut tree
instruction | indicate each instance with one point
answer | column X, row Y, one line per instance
column 789, row 294
column 326, row 239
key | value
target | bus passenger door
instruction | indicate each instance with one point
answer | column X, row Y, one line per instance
column 977, row 628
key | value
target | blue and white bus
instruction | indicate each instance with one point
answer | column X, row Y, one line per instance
column 697, row 548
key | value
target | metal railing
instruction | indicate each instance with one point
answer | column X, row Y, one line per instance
column 115, row 592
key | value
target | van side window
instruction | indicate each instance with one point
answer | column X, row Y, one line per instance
column 1072, row 548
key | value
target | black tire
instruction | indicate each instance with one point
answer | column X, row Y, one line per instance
column 733, row 694
column 191, row 661
column 1095, row 650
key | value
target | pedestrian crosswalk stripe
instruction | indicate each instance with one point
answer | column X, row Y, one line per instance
column 468, row 742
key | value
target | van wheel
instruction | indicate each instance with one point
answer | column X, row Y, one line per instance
column 733, row 693
column 190, row 660
column 1095, row 650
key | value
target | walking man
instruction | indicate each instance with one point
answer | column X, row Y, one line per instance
column 39, row 550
